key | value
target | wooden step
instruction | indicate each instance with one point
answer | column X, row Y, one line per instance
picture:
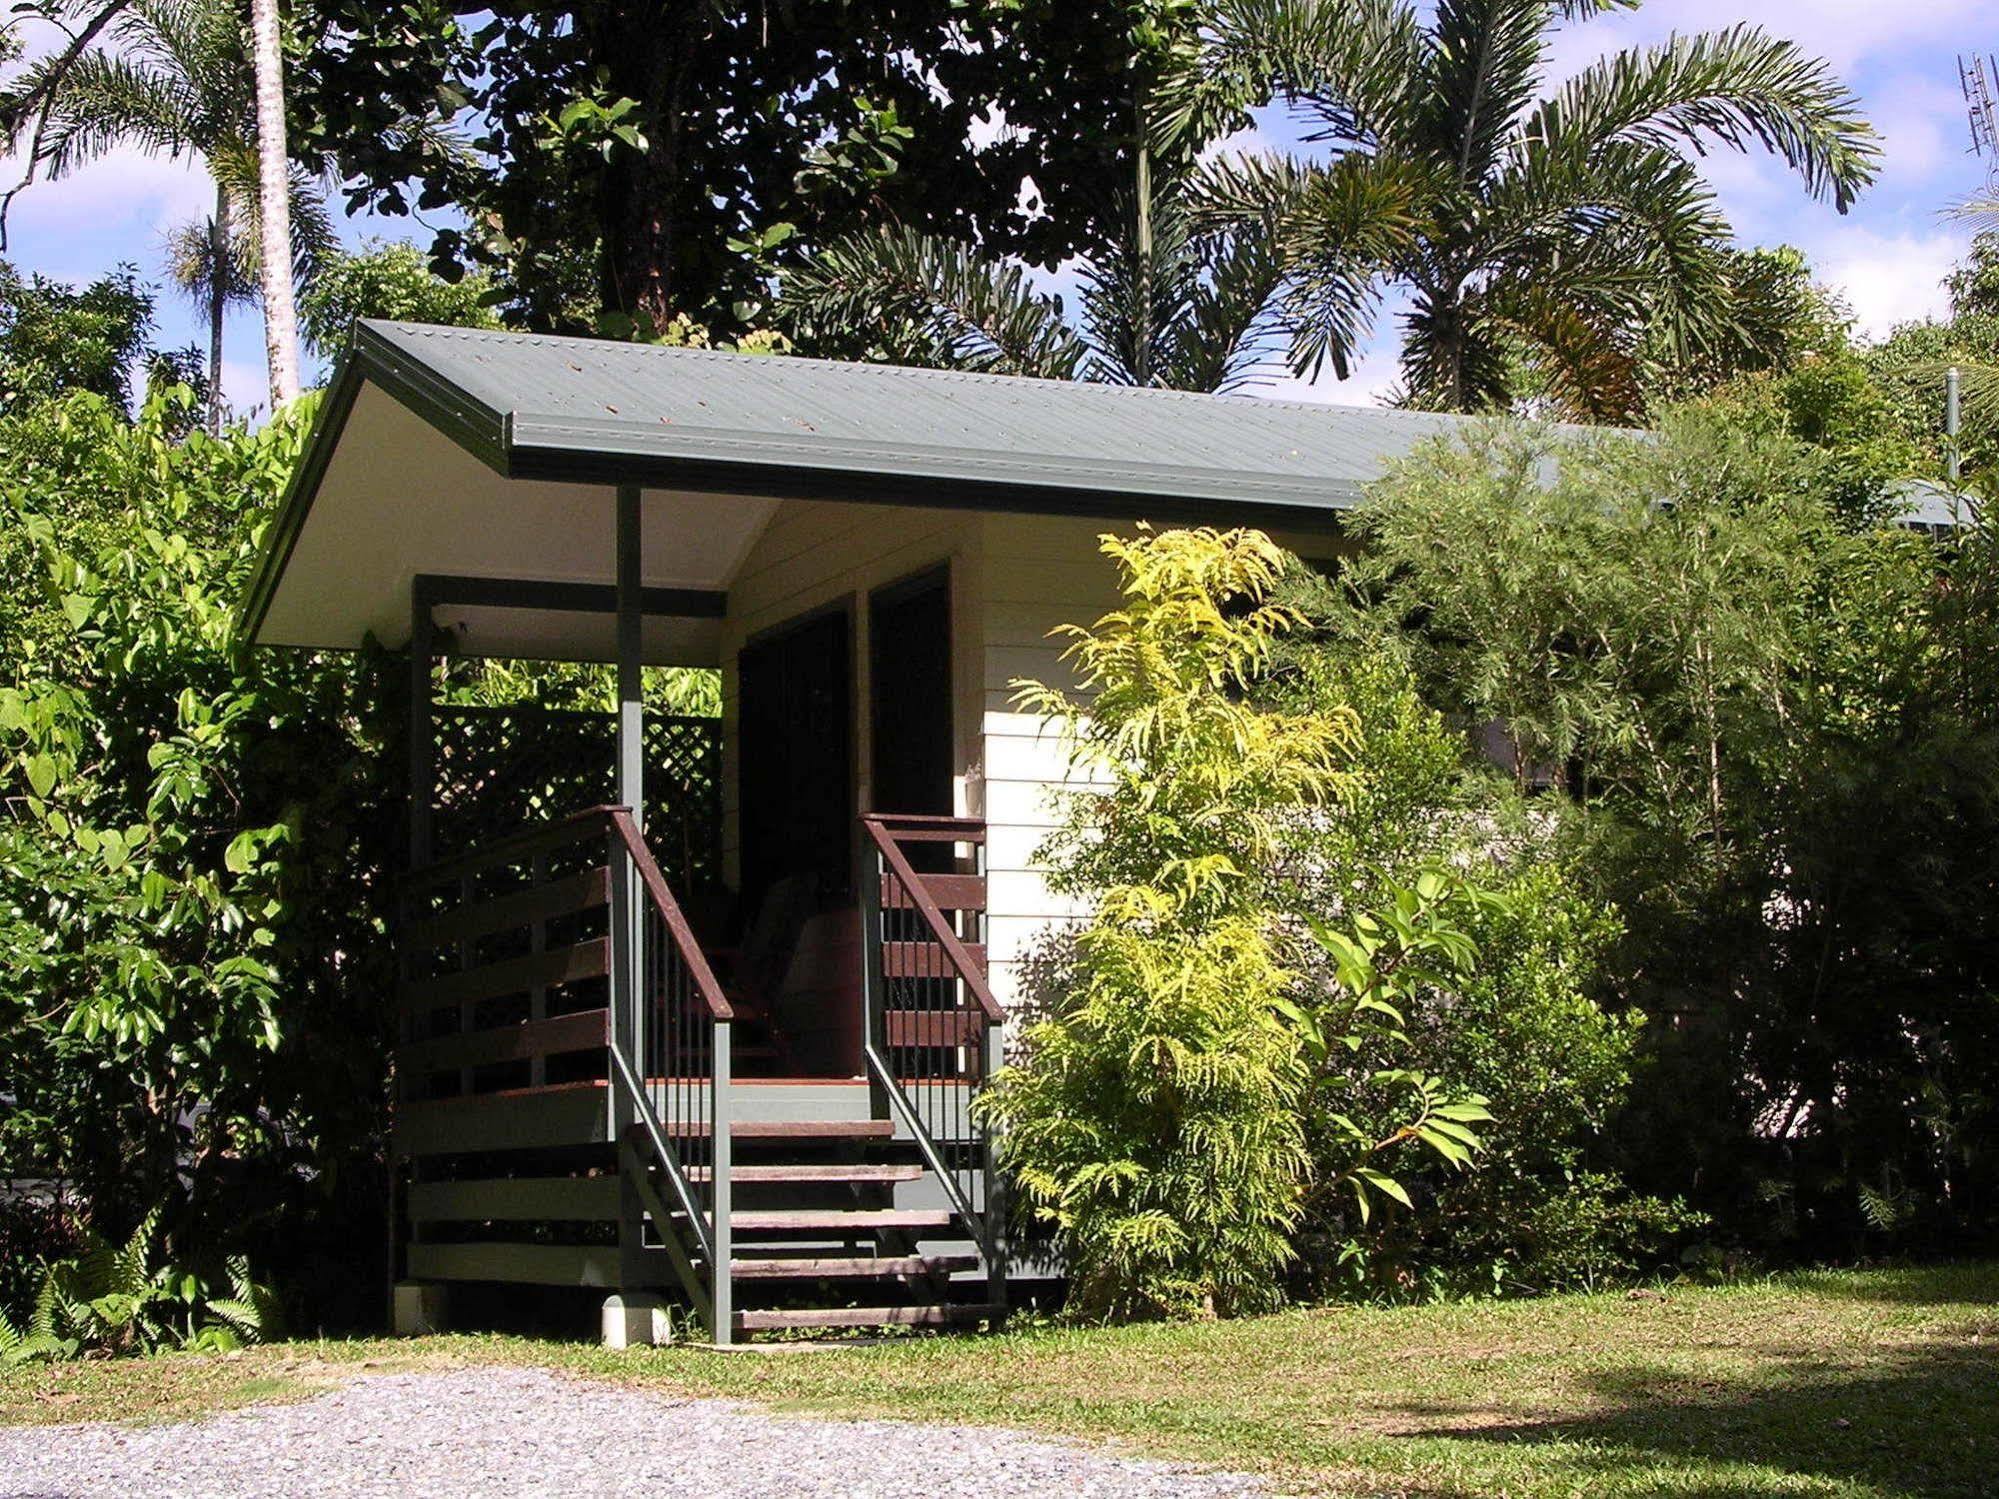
column 862, row 1316
column 836, row 1173
column 794, row 1129
column 801, row 1219
column 876, row 1267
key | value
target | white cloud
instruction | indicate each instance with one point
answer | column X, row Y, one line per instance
column 1844, row 32
column 1891, row 278
column 125, row 191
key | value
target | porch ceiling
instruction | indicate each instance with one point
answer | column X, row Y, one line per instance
column 398, row 498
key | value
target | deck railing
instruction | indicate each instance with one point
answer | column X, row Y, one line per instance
column 670, row 1059
column 507, row 951
column 932, row 1026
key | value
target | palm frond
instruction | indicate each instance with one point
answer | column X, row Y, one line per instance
column 1740, row 87
column 1982, row 212
column 104, row 101
column 1481, row 69
column 315, row 240
column 1359, row 219
column 1335, row 230
column 1345, row 63
column 1134, row 297
column 199, row 273
column 1588, row 360
column 1627, row 216
column 933, row 301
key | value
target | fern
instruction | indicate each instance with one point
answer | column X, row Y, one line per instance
column 112, row 1299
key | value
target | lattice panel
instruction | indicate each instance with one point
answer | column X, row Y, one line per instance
column 498, row 770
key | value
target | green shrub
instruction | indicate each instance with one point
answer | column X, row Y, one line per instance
column 191, row 856
column 1159, row 1116
column 1533, row 1027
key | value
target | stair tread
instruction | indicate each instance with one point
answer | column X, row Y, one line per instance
column 856, row 1268
column 859, row 1174
column 863, row 1316
column 802, row 1218
column 795, row 1129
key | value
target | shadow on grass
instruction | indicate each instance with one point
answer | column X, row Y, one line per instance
column 1903, row 1285
column 1922, row 1423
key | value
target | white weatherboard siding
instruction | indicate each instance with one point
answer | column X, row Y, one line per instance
column 1041, row 573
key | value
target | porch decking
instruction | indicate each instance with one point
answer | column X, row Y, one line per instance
column 569, row 1109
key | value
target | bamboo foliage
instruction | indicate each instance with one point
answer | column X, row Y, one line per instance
column 1160, row 1119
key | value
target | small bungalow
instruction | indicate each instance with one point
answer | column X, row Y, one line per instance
column 694, row 1009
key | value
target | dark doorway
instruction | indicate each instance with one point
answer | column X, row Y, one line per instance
column 909, row 626
column 795, row 696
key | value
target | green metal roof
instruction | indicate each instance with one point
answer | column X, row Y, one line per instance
column 570, row 408
column 452, row 450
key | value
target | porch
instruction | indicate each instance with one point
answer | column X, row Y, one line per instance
column 585, row 1100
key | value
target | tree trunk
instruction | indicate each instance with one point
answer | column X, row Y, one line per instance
column 1144, row 333
column 646, row 52
column 220, row 274
column 274, row 272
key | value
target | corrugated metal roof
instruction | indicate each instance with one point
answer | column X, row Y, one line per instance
column 583, row 407
column 1929, row 506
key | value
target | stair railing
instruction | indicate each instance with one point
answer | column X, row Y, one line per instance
column 931, row 1024
column 670, row 1055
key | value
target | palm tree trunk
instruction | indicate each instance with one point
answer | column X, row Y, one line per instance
column 219, row 268
column 274, row 205
column 1141, row 351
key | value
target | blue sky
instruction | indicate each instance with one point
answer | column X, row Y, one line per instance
column 1887, row 256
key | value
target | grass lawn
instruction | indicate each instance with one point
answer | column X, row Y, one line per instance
column 1872, row 1383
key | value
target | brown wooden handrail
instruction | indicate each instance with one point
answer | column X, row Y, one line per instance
column 670, row 913
column 878, row 825
column 964, row 829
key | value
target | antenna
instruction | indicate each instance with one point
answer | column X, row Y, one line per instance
column 1979, row 78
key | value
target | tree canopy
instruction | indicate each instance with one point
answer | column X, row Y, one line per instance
column 649, row 161
column 1562, row 229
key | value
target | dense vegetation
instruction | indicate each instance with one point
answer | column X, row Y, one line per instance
column 1595, row 875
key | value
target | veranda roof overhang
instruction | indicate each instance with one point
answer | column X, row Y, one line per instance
column 486, row 463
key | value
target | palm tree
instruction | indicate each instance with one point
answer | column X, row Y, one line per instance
column 274, row 203
column 174, row 78
column 1550, row 229
column 1165, row 299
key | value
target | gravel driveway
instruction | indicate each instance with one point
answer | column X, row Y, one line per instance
column 526, row 1431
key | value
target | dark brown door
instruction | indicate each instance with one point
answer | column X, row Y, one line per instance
column 795, row 697
column 909, row 627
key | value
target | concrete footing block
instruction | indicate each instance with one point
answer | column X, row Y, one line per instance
column 420, row 1307
column 636, row 1321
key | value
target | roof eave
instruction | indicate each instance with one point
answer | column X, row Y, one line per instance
column 370, row 357
column 550, row 453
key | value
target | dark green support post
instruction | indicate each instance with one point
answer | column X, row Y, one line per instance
column 628, row 927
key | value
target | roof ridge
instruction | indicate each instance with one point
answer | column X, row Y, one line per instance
column 1096, row 389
